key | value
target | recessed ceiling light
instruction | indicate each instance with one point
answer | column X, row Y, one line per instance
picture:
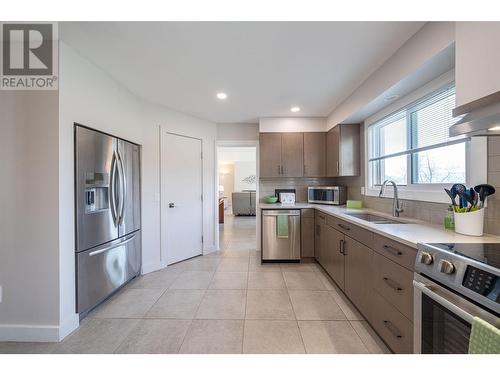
column 221, row 95
column 390, row 98
column 295, row 109
column 495, row 128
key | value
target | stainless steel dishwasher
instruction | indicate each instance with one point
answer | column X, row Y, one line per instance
column 280, row 235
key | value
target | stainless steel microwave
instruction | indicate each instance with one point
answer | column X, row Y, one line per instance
column 334, row 195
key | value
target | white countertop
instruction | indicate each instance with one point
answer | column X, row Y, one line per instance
column 411, row 233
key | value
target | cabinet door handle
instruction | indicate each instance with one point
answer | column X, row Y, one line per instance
column 393, row 284
column 392, row 250
column 345, row 227
column 341, row 247
column 304, row 172
column 392, row 329
column 338, row 166
column 279, row 169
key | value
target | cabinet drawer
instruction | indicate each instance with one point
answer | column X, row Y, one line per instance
column 320, row 217
column 392, row 326
column 395, row 283
column 359, row 234
column 307, row 212
column 401, row 254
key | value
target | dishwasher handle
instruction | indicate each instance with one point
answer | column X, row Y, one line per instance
column 275, row 213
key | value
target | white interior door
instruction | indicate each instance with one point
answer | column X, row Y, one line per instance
column 181, row 197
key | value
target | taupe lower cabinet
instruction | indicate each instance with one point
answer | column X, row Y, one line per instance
column 343, row 150
column 307, row 233
column 377, row 280
column 292, row 154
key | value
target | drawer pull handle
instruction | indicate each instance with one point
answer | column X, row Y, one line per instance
column 392, row 329
column 345, row 227
column 392, row 250
column 394, row 285
column 342, row 247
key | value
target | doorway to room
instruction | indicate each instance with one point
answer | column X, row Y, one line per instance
column 237, row 186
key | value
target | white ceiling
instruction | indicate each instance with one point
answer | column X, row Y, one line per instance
column 265, row 68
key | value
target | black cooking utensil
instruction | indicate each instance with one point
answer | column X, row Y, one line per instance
column 452, row 197
column 471, row 198
column 460, row 189
column 484, row 190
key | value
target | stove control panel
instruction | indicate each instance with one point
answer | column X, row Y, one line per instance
column 482, row 282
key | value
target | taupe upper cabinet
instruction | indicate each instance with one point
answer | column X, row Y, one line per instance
column 270, row 155
column 292, row 154
column 314, row 154
column 342, row 151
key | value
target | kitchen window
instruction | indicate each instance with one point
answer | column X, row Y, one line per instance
column 412, row 146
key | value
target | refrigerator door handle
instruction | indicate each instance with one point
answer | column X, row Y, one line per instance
column 123, row 188
column 107, row 248
column 112, row 193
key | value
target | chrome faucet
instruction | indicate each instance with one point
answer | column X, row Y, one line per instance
column 397, row 205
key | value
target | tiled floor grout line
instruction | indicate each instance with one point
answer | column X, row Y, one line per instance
column 295, row 315
column 196, row 312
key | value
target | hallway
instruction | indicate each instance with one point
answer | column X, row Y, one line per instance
column 237, row 232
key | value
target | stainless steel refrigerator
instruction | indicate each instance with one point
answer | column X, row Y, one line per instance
column 108, row 215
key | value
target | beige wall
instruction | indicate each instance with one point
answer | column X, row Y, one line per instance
column 238, row 132
column 29, row 218
column 226, row 179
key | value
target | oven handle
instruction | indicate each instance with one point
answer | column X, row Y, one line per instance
column 465, row 315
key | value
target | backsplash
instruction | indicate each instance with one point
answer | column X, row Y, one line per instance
column 493, row 209
column 267, row 186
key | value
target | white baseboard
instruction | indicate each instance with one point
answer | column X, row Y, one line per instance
column 38, row 333
column 68, row 326
column 151, row 267
column 29, row 333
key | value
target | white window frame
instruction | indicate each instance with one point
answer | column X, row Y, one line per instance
column 475, row 152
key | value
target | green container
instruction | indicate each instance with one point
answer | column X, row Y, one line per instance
column 354, row 204
column 270, row 199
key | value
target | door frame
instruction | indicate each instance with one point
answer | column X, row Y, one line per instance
column 163, row 198
column 216, row 185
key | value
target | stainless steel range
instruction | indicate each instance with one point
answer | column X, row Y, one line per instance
column 453, row 284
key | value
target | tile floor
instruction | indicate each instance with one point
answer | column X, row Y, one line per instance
column 226, row 302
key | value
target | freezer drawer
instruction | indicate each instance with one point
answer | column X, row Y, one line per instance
column 284, row 246
column 103, row 269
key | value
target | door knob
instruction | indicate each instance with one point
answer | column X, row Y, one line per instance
column 171, row 205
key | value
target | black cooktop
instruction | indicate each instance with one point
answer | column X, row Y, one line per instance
column 487, row 253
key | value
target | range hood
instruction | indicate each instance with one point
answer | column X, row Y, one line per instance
column 479, row 118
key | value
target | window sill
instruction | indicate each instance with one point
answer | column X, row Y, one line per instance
column 427, row 194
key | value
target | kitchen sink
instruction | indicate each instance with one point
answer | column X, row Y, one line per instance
column 375, row 219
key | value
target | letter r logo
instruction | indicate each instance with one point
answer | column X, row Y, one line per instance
column 27, row 49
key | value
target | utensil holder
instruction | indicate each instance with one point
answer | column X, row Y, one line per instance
column 470, row 223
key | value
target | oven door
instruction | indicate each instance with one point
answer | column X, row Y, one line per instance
column 442, row 319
